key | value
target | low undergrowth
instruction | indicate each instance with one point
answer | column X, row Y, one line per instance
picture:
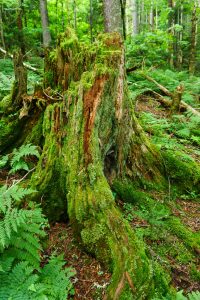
column 167, row 219
column 170, row 243
column 25, row 272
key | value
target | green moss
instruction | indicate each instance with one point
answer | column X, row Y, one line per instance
column 182, row 170
column 35, row 136
column 195, row 273
column 189, row 238
column 6, row 104
column 10, row 130
column 87, row 80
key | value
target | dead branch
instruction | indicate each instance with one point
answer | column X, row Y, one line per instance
column 183, row 105
column 25, row 65
column 161, row 87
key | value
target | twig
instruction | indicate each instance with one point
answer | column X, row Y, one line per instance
column 20, row 180
column 54, row 99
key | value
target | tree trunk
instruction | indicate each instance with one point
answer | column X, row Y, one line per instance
column 91, row 21
column 192, row 57
column 20, row 28
column 123, row 15
column 171, row 31
column 112, row 16
column 45, row 23
column 92, row 139
column 180, row 39
column 151, row 16
column 176, row 99
column 1, row 27
column 135, row 17
column 75, row 15
column 20, row 83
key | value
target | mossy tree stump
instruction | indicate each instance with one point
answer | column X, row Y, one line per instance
column 91, row 138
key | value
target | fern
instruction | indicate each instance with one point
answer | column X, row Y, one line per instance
column 3, row 161
column 179, row 296
column 20, row 252
column 17, row 162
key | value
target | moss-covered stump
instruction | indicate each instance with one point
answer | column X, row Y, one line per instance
column 91, row 138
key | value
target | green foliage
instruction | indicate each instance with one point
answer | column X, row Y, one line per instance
column 18, row 162
column 18, row 156
column 179, row 296
column 148, row 48
column 21, row 229
column 173, row 133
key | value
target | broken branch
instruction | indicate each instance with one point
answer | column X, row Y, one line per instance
column 25, row 65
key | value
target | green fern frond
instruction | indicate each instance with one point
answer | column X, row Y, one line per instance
column 19, row 165
column 23, row 151
column 194, row 295
column 20, row 252
column 4, row 161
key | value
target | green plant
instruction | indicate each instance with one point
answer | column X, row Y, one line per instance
column 21, row 229
column 179, row 296
column 17, row 161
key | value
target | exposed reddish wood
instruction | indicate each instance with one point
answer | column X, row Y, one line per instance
column 91, row 100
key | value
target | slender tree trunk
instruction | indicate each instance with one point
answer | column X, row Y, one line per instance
column 1, row 27
column 91, row 21
column 192, row 57
column 171, row 31
column 180, row 39
column 45, row 23
column 63, row 17
column 20, row 84
column 123, row 15
column 151, row 16
column 75, row 15
column 135, row 17
column 20, row 27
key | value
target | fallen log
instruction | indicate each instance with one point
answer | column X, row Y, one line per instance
column 183, row 105
column 25, row 65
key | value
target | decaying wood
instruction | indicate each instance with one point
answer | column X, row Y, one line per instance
column 183, row 105
column 25, row 65
column 161, row 87
column 176, row 99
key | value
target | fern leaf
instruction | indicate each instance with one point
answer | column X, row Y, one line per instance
column 23, row 151
column 3, row 161
column 194, row 295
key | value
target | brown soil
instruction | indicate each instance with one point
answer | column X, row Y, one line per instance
column 189, row 212
column 147, row 104
column 91, row 279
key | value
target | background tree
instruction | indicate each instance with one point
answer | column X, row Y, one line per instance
column 45, row 23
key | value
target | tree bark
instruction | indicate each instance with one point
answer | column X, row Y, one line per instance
column 20, row 83
column 112, row 16
column 135, row 18
column 45, row 23
column 20, row 27
column 1, row 27
column 192, row 57
column 171, row 31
